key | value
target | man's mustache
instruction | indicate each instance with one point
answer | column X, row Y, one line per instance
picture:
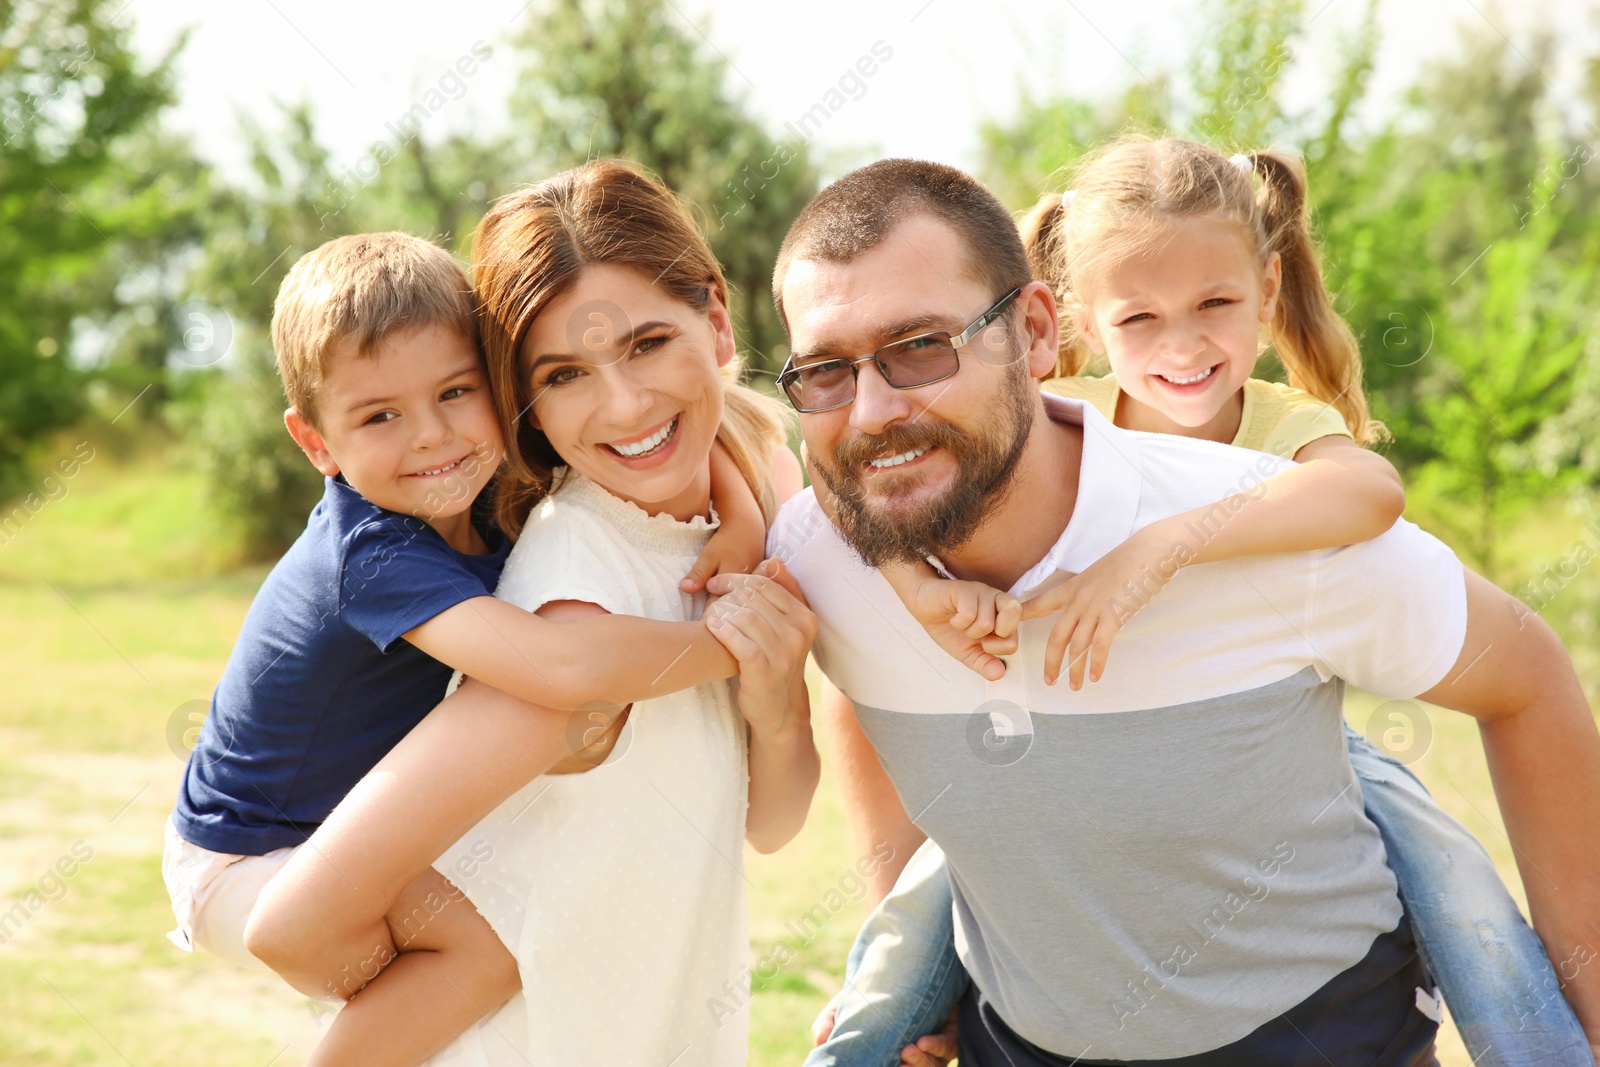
column 899, row 438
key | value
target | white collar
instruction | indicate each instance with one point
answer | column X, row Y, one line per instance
column 1109, row 479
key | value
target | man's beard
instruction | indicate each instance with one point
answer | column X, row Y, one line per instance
column 985, row 468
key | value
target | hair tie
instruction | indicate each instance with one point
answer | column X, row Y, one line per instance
column 1243, row 162
column 1066, row 199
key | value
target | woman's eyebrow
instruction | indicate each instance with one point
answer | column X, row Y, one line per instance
column 623, row 341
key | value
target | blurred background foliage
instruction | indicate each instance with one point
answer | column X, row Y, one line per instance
column 1459, row 223
column 1460, row 230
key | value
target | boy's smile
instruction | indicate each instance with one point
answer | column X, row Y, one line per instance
column 410, row 426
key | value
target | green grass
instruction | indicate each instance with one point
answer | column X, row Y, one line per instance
column 120, row 610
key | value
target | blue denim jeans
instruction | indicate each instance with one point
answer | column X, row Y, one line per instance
column 902, row 976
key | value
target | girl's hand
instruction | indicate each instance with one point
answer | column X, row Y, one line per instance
column 972, row 622
column 769, row 629
column 1096, row 604
column 741, row 538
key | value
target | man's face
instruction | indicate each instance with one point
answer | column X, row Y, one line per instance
column 915, row 471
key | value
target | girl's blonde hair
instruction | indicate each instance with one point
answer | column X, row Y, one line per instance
column 1127, row 193
column 531, row 248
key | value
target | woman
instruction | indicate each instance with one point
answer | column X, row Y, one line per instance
column 614, row 875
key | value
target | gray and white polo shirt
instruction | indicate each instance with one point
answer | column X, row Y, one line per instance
column 1156, row 865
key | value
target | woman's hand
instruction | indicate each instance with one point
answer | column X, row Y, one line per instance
column 1097, row 603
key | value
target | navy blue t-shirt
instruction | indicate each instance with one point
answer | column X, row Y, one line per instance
column 320, row 684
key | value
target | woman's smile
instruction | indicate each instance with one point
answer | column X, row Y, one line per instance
column 656, row 443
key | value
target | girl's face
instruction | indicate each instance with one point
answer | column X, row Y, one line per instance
column 1181, row 327
column 625, row 386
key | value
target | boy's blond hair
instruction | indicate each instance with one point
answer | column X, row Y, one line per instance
column 361, row 289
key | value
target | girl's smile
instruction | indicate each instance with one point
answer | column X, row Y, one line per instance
column 1180, row 324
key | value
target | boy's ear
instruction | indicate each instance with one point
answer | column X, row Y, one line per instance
column 311, row 443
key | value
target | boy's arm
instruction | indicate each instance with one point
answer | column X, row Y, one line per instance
column 611, row 659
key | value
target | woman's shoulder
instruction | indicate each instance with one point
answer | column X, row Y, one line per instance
column 582, row 543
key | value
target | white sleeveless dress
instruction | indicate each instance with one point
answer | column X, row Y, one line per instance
column 621, row 890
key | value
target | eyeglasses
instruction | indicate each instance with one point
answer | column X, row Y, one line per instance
column 917, row 361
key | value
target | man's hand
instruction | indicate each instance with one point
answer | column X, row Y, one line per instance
column 931, row 1050
column 936, row 1049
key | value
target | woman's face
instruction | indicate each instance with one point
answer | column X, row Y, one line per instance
column 624, row 384
column 1181, row 324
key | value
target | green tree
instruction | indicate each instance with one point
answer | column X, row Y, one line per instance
column 628, row 78
column 85, row 233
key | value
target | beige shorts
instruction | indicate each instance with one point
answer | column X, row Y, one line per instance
column 213, row 894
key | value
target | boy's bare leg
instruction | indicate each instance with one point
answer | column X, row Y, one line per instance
column 452, row 970
column 321, row 923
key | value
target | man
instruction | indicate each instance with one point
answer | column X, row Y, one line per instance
column 1096, row 854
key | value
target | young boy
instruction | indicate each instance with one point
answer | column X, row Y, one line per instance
column 376, row 344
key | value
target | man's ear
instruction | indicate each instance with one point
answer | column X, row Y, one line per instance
column 311, row 443
column 721, row 328
column 1041, row 329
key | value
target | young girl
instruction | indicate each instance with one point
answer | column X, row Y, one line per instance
column 1173, row 261
column 614, row 873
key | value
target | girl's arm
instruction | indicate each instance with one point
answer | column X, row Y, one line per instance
column 1338, row 494
column 770, row 630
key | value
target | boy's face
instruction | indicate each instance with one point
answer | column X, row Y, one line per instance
column 411, row 427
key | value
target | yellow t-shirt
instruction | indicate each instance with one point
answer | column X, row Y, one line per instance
column 1277, row 418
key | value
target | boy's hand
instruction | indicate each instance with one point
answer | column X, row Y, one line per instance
column 769, row 630
column 1096, row 604
column 972, row 622
column 741, row 538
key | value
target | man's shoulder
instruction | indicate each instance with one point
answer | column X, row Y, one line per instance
column 1179, row 473
column 798, row 524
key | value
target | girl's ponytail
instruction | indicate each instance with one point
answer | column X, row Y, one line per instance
column 1042, row 241
column 1313, row 341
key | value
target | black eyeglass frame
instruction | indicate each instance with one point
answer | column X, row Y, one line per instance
column 791, row 374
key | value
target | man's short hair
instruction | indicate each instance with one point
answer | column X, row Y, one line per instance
column 854, row 214
column 360, row 289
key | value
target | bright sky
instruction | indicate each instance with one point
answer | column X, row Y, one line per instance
column 952, row 63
